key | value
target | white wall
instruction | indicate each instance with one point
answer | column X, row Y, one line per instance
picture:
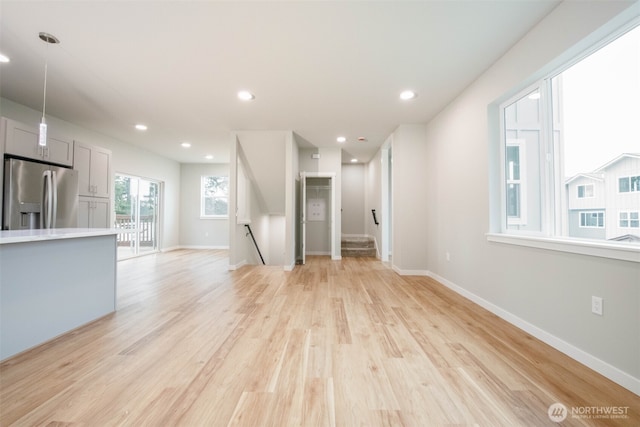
column 353, row 200
column 412, row 189
column 126, row 159
column 373, row 198
column 545, row 292
column 270, row 161
column 196, row 232
column 292, row 181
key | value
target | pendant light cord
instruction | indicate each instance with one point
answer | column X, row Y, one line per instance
column 46, row 66
column 44, row 96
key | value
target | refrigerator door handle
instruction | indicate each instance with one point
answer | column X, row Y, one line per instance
column 54, row 198
column 45, row 199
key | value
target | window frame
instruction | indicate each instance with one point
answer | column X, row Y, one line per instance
column 583, row 214
column 584, row 187
column 203, row 197
column 522, row 158
column 630, row 179
column 628, row 219
column 550, row 237
column 548, row 195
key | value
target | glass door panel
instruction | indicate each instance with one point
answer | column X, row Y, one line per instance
column 137, row 206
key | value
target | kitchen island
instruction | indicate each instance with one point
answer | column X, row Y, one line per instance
column 53, row 281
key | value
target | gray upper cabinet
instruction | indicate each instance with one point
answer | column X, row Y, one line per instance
column 94, row 169
column 22, row 140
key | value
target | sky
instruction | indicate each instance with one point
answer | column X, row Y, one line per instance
column 601, row 114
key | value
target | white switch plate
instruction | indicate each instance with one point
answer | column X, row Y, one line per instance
column 596, row 305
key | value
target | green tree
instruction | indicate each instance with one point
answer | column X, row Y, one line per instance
column 123, row 195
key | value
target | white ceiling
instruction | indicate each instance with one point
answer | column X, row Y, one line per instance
column 320, row 69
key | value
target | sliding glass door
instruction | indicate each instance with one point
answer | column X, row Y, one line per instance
column 137, row 205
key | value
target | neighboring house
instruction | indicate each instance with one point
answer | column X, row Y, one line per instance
column 605, row 204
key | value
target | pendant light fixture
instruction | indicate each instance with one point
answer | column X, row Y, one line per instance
column 42, row 135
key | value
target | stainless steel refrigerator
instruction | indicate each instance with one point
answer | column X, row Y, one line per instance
column 39, row 195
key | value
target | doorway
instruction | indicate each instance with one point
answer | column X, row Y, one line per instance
column 317, row 219
column 137, row 207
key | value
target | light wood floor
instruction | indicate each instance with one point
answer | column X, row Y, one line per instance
column 333, row 343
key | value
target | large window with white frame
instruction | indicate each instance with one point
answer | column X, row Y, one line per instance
column 629, row 184
column 578, row 122
column 592, row 219
column 214, row 196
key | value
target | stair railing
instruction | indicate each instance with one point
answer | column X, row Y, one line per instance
column 254, row 242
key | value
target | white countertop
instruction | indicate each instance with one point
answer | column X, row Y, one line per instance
column 21, row 236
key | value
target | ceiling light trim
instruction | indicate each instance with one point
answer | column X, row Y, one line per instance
column 407, row 95
column 245, row 95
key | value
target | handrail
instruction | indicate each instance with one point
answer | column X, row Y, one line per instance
column 254, row 242
column 375, row 220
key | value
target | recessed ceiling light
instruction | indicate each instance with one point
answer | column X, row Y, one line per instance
column 245, row 95
column 186, row 144
column 354, row 160
column 4, row 58
column 361, row 139
column 141, row 127
column 209, row 156
column 341, row 139
column 407, row 95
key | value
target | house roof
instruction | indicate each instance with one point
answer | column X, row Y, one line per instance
column 592, row 176
column 597, row 175
column 617, row 159
column 627, row 238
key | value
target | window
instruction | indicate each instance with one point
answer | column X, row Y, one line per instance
column 585, row 191
column 214, row 201
column 516, row 201
column 629, row 184
column 629, row 219
column 576, row 122
column 592, row 219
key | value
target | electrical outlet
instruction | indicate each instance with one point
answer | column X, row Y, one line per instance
column 448, row 256
column 596, row 305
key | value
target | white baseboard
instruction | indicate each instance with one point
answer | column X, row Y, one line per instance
column 410, row 272
column 614, row 374
column 336, row 257
column 233, row 267
column 289, row 267
column 202, row 247
column 171, row 248
column 319, row 253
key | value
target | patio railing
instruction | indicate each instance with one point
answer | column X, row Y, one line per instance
column 147, row 230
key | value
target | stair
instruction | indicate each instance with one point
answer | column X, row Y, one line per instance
column 358, row 247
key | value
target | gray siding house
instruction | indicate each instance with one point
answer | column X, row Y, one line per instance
column 605, row 204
